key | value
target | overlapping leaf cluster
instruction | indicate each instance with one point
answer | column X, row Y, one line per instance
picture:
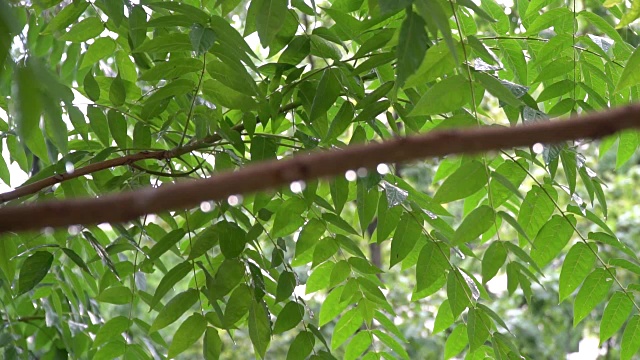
column 244, row 81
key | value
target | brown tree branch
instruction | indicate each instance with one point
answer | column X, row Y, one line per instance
column 36, row 186
column 273, row 174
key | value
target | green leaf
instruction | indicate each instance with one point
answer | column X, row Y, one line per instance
column 271, row 18
column 478, row 10
column 111, row 329
column 29, row 110
column 475, row 224
column 408, row 231
column 433, row 262
column 201, row 38
column 339, row 273
column 232, row 239
column 111, row 350
column 188, row 333
column 514, row 224
column 478, row 328
column 91, row 87
column 433, row 11
column 593, row 291
column 358, row 345
column 446, row 96
column 437, row 61
column 290, row 316
column 465, row 181
column 615, row 314
column 226, row 96
column 456, row 341
column 174, row 88
column 166, row 243
column 332, row 306
column 171, row 69
column 630, row 16
column 492, row 260
column 535, row 210
column 174, row 275
column 67, row 16
column 301, row 346
column 367, row 201
column 392, row 343
column 175, row 42
column 212, row 344
column 320, row 277
column 575, row 268
column 560, row 18
column 348, row 324
column 117, row 91
column 99, row 49
column 288, row 217
column 86, row 29
column 229, row 275
column 412, row 46
column 174, row 309
column 141, row 136
column 76, row 259
column 259, row 328
column 327, row 92
column 117, row 295
column 286, row 284
column 238, row 306
column 628, row 142
column 552, row 238
column 497, row 89
column 233, row 75
column 458, row 293
column 506, row 180
column 514, row 59
column 297, row 50
column 118, row 128
column 33, row 270
column 630, row 338
column 444, row 318
column 554, row 90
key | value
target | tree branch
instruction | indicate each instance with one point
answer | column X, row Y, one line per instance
column 273, row 174
column 36, row 186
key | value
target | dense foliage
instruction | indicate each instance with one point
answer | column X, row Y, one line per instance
column 375, row 264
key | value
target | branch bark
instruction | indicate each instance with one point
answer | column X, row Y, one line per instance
column 273, row 174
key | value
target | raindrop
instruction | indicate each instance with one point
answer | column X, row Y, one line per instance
column 351, row 175
column 382, row 169
column 430, row 214
column 73, row 230
column 234, row 200
column 68, row 166
column 362, row 172
column 577, row 199
column 297, row 186
column 206, row 206
column 538, row 148
column 48, row 231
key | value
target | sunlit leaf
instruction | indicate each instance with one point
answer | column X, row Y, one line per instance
column 595, row 287
column 575, row 268
column 346, row 326
column 615, row 314
column 187, row 334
